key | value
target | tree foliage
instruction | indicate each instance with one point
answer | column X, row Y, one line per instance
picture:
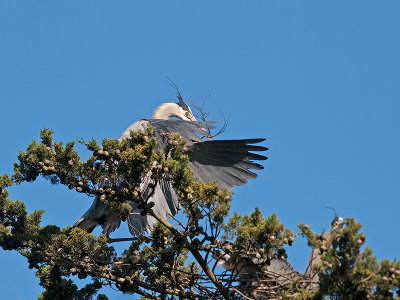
column 206, row 255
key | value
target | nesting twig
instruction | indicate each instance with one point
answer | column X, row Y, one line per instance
column 202, row 114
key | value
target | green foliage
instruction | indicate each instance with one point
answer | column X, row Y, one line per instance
column 5, row 181
column 254, row 236
column 347, row 271
column 179, row 258
column 57, row 287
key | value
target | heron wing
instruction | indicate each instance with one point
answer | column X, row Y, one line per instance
column 165, row 203
column 188, row 130
column 228, row 162
column 98, row 214
column 91, row 217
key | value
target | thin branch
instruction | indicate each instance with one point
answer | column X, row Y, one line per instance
column 201, row 114
column 179, row 222
column 241, row 294
column 145, row 238
column 160, row 219
column 203, row 264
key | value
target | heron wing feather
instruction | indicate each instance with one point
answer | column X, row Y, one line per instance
column 226, row 161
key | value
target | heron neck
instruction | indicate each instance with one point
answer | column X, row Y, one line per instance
column 165, row 111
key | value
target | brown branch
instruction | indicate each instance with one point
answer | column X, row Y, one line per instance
column 145, row 294
column 179, row 222
column 203, row 264
column 160, row 219
column 202, row 115
column 194, row 252
column 146, row 238
column 164, row 291
column 241, row 294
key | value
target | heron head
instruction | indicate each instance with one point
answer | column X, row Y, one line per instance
column 184, row 111
column 178, row 110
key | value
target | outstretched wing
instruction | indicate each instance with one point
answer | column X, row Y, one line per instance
column 188, row 130
column 228, row 162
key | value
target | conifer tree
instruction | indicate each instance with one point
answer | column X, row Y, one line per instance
column 205, row 256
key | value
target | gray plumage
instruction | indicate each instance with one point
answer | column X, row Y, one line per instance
column 228, row 162
column 252, row 264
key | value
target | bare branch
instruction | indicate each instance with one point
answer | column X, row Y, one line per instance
column 145, row 238
column 241, row 294
column 200, row 113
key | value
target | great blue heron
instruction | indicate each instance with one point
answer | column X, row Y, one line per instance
column 227, row 162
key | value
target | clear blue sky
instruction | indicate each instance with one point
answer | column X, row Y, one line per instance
column 320, row 80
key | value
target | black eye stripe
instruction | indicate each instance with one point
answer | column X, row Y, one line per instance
column 184, row 106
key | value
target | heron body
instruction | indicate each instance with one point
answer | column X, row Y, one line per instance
column 227, row 162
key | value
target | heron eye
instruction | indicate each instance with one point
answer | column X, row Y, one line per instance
column 187, row 114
